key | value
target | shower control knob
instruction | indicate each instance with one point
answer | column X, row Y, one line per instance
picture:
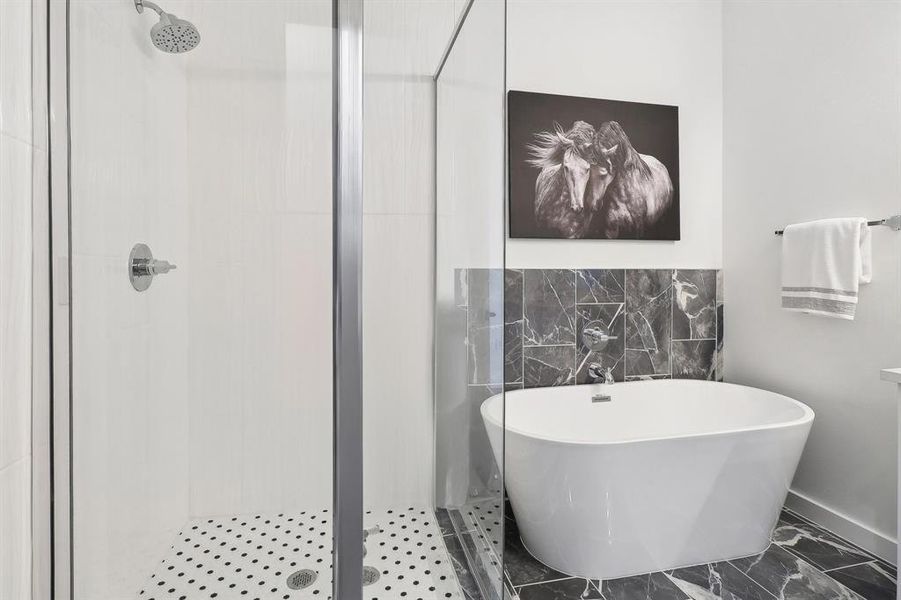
column 142, row 267
column 595, row 336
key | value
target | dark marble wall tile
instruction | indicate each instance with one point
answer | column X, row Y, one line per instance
column 564, row 589
column 513, row 352
column 647, row 377
column 612, row 316
column 600, row 286
column 694, row 304
column 461, row 293
column 549, row 298
column 513, row 322
column 720, row 372
column 545, row 366
column 873, row 580
column 512, row 296
column 784, row 575
column 720, row 287
column 648, row 321
column 694, row 359
column 485, row 326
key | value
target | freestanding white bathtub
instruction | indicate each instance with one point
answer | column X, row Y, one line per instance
column 668, row 474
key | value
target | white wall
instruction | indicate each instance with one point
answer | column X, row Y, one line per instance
column 812, row 130
column 19, row 150
column 129, row 349
column 658, row 52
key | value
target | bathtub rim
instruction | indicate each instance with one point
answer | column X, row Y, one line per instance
column 806, row 417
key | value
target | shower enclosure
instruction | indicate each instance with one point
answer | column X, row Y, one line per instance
column 244, row 294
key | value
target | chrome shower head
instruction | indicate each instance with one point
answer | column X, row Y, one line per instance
column 171, row 34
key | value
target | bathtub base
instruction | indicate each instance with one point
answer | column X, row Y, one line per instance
column 669, row 567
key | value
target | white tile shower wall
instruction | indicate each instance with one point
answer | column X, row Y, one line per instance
column 130, row 380
column 260, row 204
column 17, row 155
column 798, row 87
column 403, row 42
column 260, row 222
column 665, row 53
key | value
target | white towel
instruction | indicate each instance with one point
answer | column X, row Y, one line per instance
column 823, row 264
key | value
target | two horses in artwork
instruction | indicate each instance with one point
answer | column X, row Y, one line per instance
column 594, row 184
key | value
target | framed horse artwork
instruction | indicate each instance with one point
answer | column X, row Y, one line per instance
column 585, row 168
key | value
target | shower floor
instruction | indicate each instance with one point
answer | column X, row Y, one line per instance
column 253, row 557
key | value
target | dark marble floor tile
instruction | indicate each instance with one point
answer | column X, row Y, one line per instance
column 600, row 286
column 873, row 580
column 694, row 359
column 564, row 589
column 513, row 352
column 468, row 584
column 649, row 321
column 522, row 568
column 545, row 366
column 786, row 576
column 444, row 521
column 612, row 317
column 817, row 546
column 694, row 304
column 655, row 586
column 717, row 581
column 549, row 305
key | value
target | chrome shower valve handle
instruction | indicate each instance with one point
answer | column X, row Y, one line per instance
column 142, row 267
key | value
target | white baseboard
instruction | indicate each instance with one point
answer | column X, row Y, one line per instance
column 880, row 544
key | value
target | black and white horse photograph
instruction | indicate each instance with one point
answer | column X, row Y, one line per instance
column 585, row 168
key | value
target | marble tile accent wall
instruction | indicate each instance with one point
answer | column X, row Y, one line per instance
column 667, row 323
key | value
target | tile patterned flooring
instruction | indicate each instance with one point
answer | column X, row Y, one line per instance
column 252, row 557
column 804, row 562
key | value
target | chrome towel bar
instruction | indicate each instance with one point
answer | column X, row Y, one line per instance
column 893, row 222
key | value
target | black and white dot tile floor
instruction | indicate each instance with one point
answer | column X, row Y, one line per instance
column 252, row 557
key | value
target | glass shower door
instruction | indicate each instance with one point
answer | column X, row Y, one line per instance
column 201, row 388
column 473, row 367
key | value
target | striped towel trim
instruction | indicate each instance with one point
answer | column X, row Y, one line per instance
column 830, row 307
column 820, row 290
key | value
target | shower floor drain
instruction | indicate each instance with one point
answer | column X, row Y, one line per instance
column 301, row 579
column 370, row 575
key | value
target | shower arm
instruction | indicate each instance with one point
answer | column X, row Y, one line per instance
column 141, row 4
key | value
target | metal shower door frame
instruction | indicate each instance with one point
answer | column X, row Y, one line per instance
column 347, row 248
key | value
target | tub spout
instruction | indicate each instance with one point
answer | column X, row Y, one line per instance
column 598, row 373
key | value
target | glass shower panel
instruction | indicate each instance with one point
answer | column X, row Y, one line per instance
column 201, row 405
column 471, row 319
